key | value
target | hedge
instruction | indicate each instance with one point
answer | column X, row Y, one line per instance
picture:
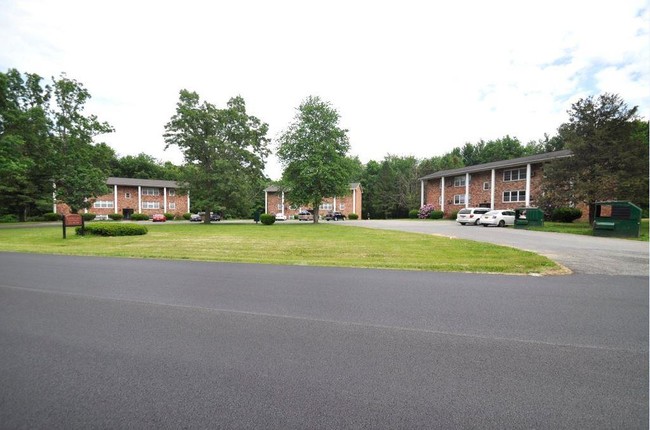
column 565, row 214
column 267, row 219
column 139, row 217
column 436, row 214
column 353, row 216
column 51, row 216
column 88, row 216
column 110, row 229
column 116, row 217
column 413, row 213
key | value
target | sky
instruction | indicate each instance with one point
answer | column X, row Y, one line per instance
column 407, row 77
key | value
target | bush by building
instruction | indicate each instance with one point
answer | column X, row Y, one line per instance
column 436, row 214
column 110, row 229
column 353, row 216
column 139, row 217
column 88, row 216
column 565, row 214
column 116, row 217
column 267, row 219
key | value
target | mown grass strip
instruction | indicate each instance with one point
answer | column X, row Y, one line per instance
column 288, row 244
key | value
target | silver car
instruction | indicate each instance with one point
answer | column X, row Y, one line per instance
column 470, row 215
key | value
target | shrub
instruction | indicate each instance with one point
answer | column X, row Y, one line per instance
column 453, row 214
column 139, row 217
column 425, row 211
column 353, row 216
column 116, row 217
column 566, row 214
column 8, row 218
column 88, row 216
column 267, row 219
column 169, row 216
column 436, row 214
column 413, row 213
column 51, row 216
column 186, row 216
column 109, row 229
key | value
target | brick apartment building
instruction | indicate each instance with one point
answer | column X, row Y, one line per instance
column 129, row 196
column 498, row 185
column 275, row 202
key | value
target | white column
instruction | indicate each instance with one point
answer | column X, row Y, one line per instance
column 139, row 199
column 354, row 201
column 282, row 203
column 528, row 170
column 466, row 190
column 114, row 198
column 442, row 194
column 334, row 203
column 492, row 185
column 188, row 201
column 53, row 197
column 164, row 199
column 266, row 202
column 421, row 193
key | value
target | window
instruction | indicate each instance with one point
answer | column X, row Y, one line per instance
column 150, row 192
column 459, row 199
column 459, row 181
column 150, row 205
column 103, row 204
column 172, row 192
column 514, row 175
column 279, row 206
column 486, row 185
column 326, row 207
column 172, row 206
column 127, row 195
column 514, row 196
column 341, row 206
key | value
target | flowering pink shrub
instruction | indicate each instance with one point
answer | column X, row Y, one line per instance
column 425, row 211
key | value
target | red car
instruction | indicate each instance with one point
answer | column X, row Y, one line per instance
column 158, row 218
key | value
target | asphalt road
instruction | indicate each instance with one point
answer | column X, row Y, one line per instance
column 125, row 343
column 581, row 254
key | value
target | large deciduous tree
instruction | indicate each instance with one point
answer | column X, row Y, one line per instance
column 224, row 149
column 610, row 154
column 313, row 151
column 79, row 168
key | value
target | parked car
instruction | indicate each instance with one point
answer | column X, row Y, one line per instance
column 336, row 216
column 280, row 217
column 158, row 218
column 196, row 218
column 215, row 217
column 305, row 216
column 499, row 218
column 470, row 215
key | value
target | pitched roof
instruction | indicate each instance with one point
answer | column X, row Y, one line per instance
column 532, row 159
column 275, row 188
column 131, row 182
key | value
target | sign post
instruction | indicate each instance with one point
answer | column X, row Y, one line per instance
column 73, row 220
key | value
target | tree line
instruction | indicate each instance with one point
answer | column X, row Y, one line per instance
column 48, row 144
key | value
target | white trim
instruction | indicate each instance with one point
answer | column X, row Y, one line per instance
column 115, row 197
column 492, row 185
column 528, row 169
column 442, row 193
column 139, row 199
column 466, row 190
column 188, row 201
column 164, row 199
column 354, row 201
column 266, row 202
column 282, row 203
column 421, row 193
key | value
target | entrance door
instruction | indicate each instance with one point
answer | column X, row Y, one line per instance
column 127, row 213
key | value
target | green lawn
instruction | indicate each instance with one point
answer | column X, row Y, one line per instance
column 585, row 228
column 290, row 244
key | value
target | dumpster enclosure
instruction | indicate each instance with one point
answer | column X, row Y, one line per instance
column 617, row 219
column 529, row 217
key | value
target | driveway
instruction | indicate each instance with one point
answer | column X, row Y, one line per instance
column 581, row 254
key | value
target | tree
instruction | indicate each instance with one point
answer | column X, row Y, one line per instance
column 313, row 152
column 143, row 166
column 224, row 150
column 610, row 154
column 79, row 169
column 25, row 153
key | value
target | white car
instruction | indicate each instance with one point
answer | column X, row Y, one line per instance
column 499, row 218
column 280, row 217
column 470, row 215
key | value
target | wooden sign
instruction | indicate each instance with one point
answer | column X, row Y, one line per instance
column 73, row 220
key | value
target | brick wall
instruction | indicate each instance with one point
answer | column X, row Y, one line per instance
column 344, row 204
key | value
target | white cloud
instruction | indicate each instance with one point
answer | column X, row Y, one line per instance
column 411, row 78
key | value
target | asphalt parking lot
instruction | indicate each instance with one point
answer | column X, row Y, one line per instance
column 580, row 254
